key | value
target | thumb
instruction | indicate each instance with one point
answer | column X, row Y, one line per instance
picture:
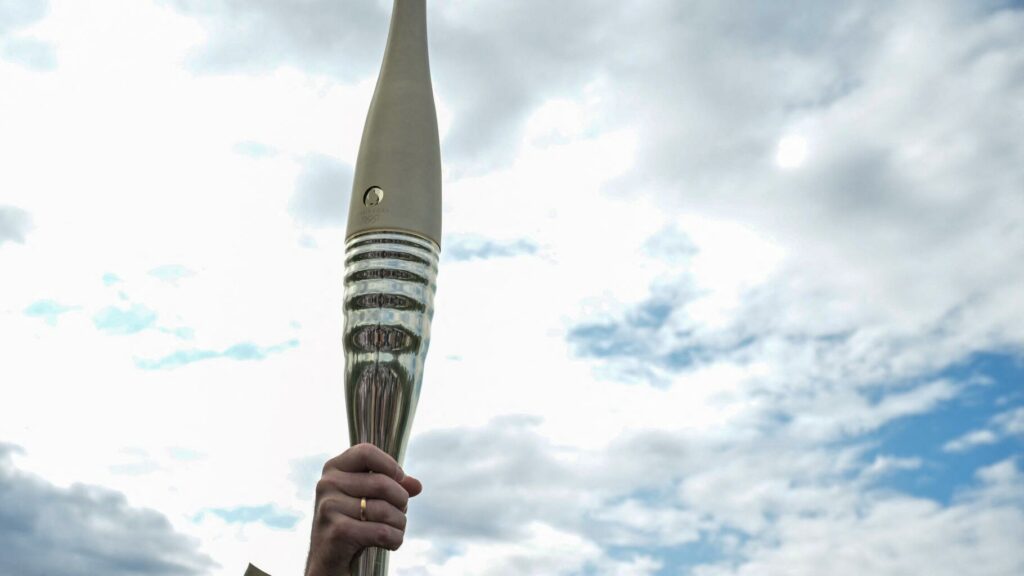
column 411, row 485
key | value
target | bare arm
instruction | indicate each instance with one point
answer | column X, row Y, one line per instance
column 342, row 524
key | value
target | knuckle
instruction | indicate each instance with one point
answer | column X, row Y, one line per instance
column 323, row 486
column 380, row 510
column 363, row 449
column 391, row 516
column 382, row 536
column 379, row 485
column 379, row 482
column 327, row 509
column 397, row 495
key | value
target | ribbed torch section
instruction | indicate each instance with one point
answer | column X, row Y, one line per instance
column 390, row 281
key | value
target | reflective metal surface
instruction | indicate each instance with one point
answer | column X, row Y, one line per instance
column 390, row 281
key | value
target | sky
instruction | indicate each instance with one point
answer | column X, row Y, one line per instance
column 726, row 288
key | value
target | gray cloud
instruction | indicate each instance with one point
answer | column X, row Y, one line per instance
column 345, row 39
column 15, row 224
column 759, row 495
column 893, row 536
column 492, row 62
column 84, row 530
column 495, row 62
column 902, row 244
column 901, row 233
column 707, row 84
column 322, row 192
column 913, row 175
column 488, row 483
column 656, row 491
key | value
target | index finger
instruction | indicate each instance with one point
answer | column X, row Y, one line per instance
column 366, row 458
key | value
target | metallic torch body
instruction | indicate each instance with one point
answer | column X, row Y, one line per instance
column 390, row 281
column 392, row 247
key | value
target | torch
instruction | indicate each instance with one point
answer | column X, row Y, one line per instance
column 392, row 246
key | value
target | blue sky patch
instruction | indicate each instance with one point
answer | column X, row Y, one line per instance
column 630, row 338
column 267, row 514
column 944, row 471
column 177, row 359
column 674, row 559
column 305, row 472
column 241, row 351
column 129, row 320
column 254, row 149
column 463, row 248
column 171, row 273
column 181, row 332
column 184, row 454
column 48, row 310
column 625, row 338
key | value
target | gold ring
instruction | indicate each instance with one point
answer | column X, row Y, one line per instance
column 362, row 509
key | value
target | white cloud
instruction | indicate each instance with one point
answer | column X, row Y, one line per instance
column 896, row 535
column 791, row 152
column 1011, row 421
column 970, row 440
column 322, row 192
column 887, row 464
column 1003, row 425
column 543, row 551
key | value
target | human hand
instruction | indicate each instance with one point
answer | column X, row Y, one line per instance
column 338, row 535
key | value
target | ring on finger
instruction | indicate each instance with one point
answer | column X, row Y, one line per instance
column 362, row 509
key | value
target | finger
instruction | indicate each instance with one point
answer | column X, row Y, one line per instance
column 365, row 457
column 382, row 512
column 346, row 530
column 376, row 486
column 360, row 485
column 376, row 510
column 411, row 485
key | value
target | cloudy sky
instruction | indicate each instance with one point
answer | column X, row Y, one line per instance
column 727, row 288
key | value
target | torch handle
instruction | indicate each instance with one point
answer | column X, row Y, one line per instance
column 390, row 281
